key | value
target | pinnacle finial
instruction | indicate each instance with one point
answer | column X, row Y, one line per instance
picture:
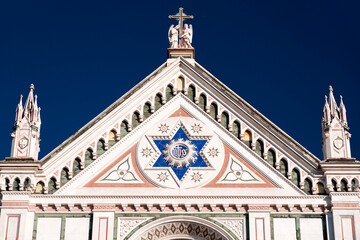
column 330, row 88
column 32, row 87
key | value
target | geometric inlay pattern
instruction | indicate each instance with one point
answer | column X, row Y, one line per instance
column 179, row 229
column 123, row 172
column 180, row 152
column 237, row 173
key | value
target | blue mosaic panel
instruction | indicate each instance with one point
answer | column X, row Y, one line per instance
column 180, row 171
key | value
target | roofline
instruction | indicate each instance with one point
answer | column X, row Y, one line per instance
column 255, row 113
column 224, row 89
column 102, row 114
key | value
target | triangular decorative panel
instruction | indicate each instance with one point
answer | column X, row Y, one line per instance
column 185, row 150
column 121, row 173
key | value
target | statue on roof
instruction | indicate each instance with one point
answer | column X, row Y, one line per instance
column 181, row 35
column 173, row 35
column 187, row 35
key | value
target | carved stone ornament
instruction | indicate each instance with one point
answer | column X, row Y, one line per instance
column 23, row 143
column 127, row 224
column 236, row 225
column 180, row 152
column 338, row 143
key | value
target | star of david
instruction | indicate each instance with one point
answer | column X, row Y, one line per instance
column 180, row 154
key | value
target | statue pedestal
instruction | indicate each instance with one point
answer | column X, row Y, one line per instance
column 181, row 52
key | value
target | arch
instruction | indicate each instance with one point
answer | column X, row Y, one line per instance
column 259, row 148
column 354, row 185
column 64, row 176
column 180, row 84
column 112, row 138
column 158, row 101
column 320, row 189
column 271, row 157
column 100, row 147
column 202, row 102
column 225, row 120
column 7, row 184
column 213, row 110
column 295, row 177
column 147, row 110
column 236, row 130
column 16, row 184
column 52, row 185
column 334, row 184
column 198, row 227
column 308, row 186
column 27, row 184
column 124, row 128
column 191, row 93
column 76, row 166
column 39, row 189
column 284, row 167
column 169, row 92
column 248, row 138
column 135, row 119
column 343, row 185
column 88, row 157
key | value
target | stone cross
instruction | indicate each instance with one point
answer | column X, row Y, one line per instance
column 181, row 17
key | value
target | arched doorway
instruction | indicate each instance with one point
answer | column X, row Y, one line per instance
column 181, row 228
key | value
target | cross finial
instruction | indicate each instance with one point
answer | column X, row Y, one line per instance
column 181, row 17
column 180, row 37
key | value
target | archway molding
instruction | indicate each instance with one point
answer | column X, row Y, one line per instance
column 181, row 227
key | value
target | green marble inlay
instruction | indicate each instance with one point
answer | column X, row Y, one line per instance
column 297, row 222
column 63, row 217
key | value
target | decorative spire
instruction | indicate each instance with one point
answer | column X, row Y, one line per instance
column 29, row 104
column 336, row 138
column 333, row 106
column 326, row 112
column 19, row 110
column 26, row 134
column 342, row 111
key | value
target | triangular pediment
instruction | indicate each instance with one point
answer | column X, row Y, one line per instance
column 179, row 90
column 138, row 164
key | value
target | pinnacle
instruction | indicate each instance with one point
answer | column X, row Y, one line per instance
column 32, row 87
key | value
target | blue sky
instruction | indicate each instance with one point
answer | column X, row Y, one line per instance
column 280, row 56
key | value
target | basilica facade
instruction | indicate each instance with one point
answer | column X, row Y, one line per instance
column 180, row 156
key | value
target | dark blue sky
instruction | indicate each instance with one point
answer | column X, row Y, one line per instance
column 280, row 56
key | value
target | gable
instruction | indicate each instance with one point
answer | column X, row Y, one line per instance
column 132, row 166
column 210, row 98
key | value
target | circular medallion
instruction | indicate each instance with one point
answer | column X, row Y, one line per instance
column 180, row 153
column 183, row 153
